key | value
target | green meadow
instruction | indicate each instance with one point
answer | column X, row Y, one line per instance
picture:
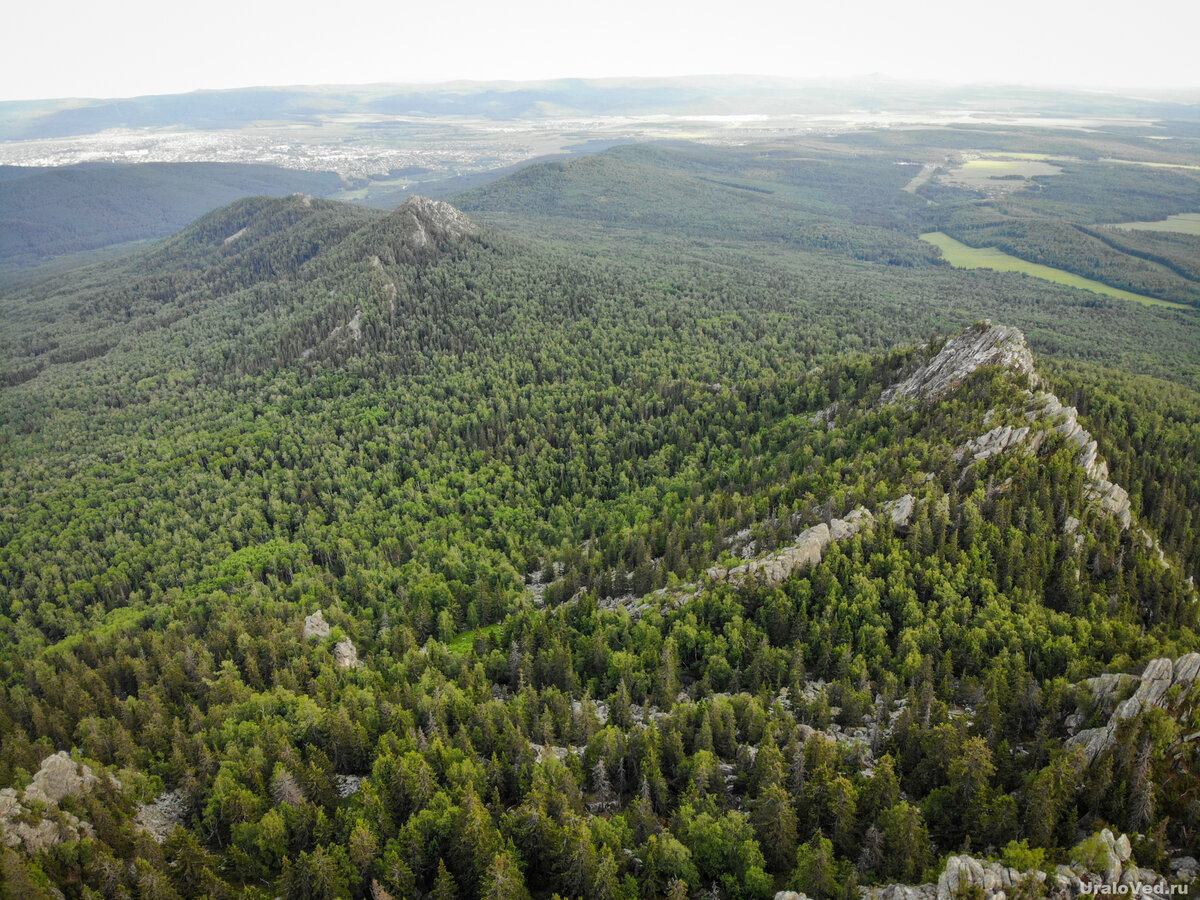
column 961, row 256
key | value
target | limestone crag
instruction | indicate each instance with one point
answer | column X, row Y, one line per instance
column 345, row 654
column 804, row 552
column 427, row 221
column 315, row 626
column 1158, row 678
column 983, row 344
column 31, row 820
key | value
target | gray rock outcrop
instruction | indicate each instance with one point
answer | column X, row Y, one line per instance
column 162, row 815
column 806, row 551
column 993, row 878
column 345, row 654
column 427, row 221
column 315, row 626
column 31, row 820
column 60, row 776
column 998, row 440
column 1158, row 678
column 901, row 510
column 983, row 344
column 1045, row 414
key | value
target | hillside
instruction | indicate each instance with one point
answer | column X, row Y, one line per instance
column 47, row 213
column 389, row 554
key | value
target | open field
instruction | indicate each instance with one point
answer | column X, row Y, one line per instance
column 921, row 177
column 962, row 256
column 996, row 176
column 1184, row 223
column 1157, row 165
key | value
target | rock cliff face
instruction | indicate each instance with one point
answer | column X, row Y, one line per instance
column 1151, row 691
column 983, row 344
column 31, row 820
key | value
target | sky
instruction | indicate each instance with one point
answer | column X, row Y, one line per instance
column 133, row 47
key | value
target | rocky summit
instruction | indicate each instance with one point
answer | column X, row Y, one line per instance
column 983, row 344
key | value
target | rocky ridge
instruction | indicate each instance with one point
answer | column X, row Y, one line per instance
column 805, row 551
column 1046, row 414
column 1152, row 687
column 983, row 344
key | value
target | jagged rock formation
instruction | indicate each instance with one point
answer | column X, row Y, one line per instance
column 31, row 820
column 965, row 875
column 983, row 344
column 1044, row 409
column 345, row 654
column 427, row 221
column 1152, row 687
column 805, row 551
column 315, row 626
column 59, row 776
column 998, row 440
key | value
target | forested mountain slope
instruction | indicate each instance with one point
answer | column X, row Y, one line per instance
column 48, row 213
column 517, row 482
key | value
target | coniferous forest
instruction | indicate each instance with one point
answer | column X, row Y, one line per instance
column 668, row 522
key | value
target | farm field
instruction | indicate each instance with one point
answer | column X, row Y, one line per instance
column 962, row 256
column 1184, row 223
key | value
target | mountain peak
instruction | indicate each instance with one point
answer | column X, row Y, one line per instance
column 983, row 344
column 428, row 221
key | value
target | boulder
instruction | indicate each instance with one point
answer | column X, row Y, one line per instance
column 901, row 510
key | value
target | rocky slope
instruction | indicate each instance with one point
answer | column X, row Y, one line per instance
column 983, row 344
column 1150, row 690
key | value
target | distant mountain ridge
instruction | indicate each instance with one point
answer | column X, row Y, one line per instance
column 498, row 100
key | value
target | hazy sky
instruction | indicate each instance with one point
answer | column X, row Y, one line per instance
column 130, row 47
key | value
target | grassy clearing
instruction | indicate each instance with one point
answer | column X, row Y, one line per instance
column 998, row 175
column 1184, row 223
column 1001, row 168
column 961, row 256
column 921, row 177
column 462, row 643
